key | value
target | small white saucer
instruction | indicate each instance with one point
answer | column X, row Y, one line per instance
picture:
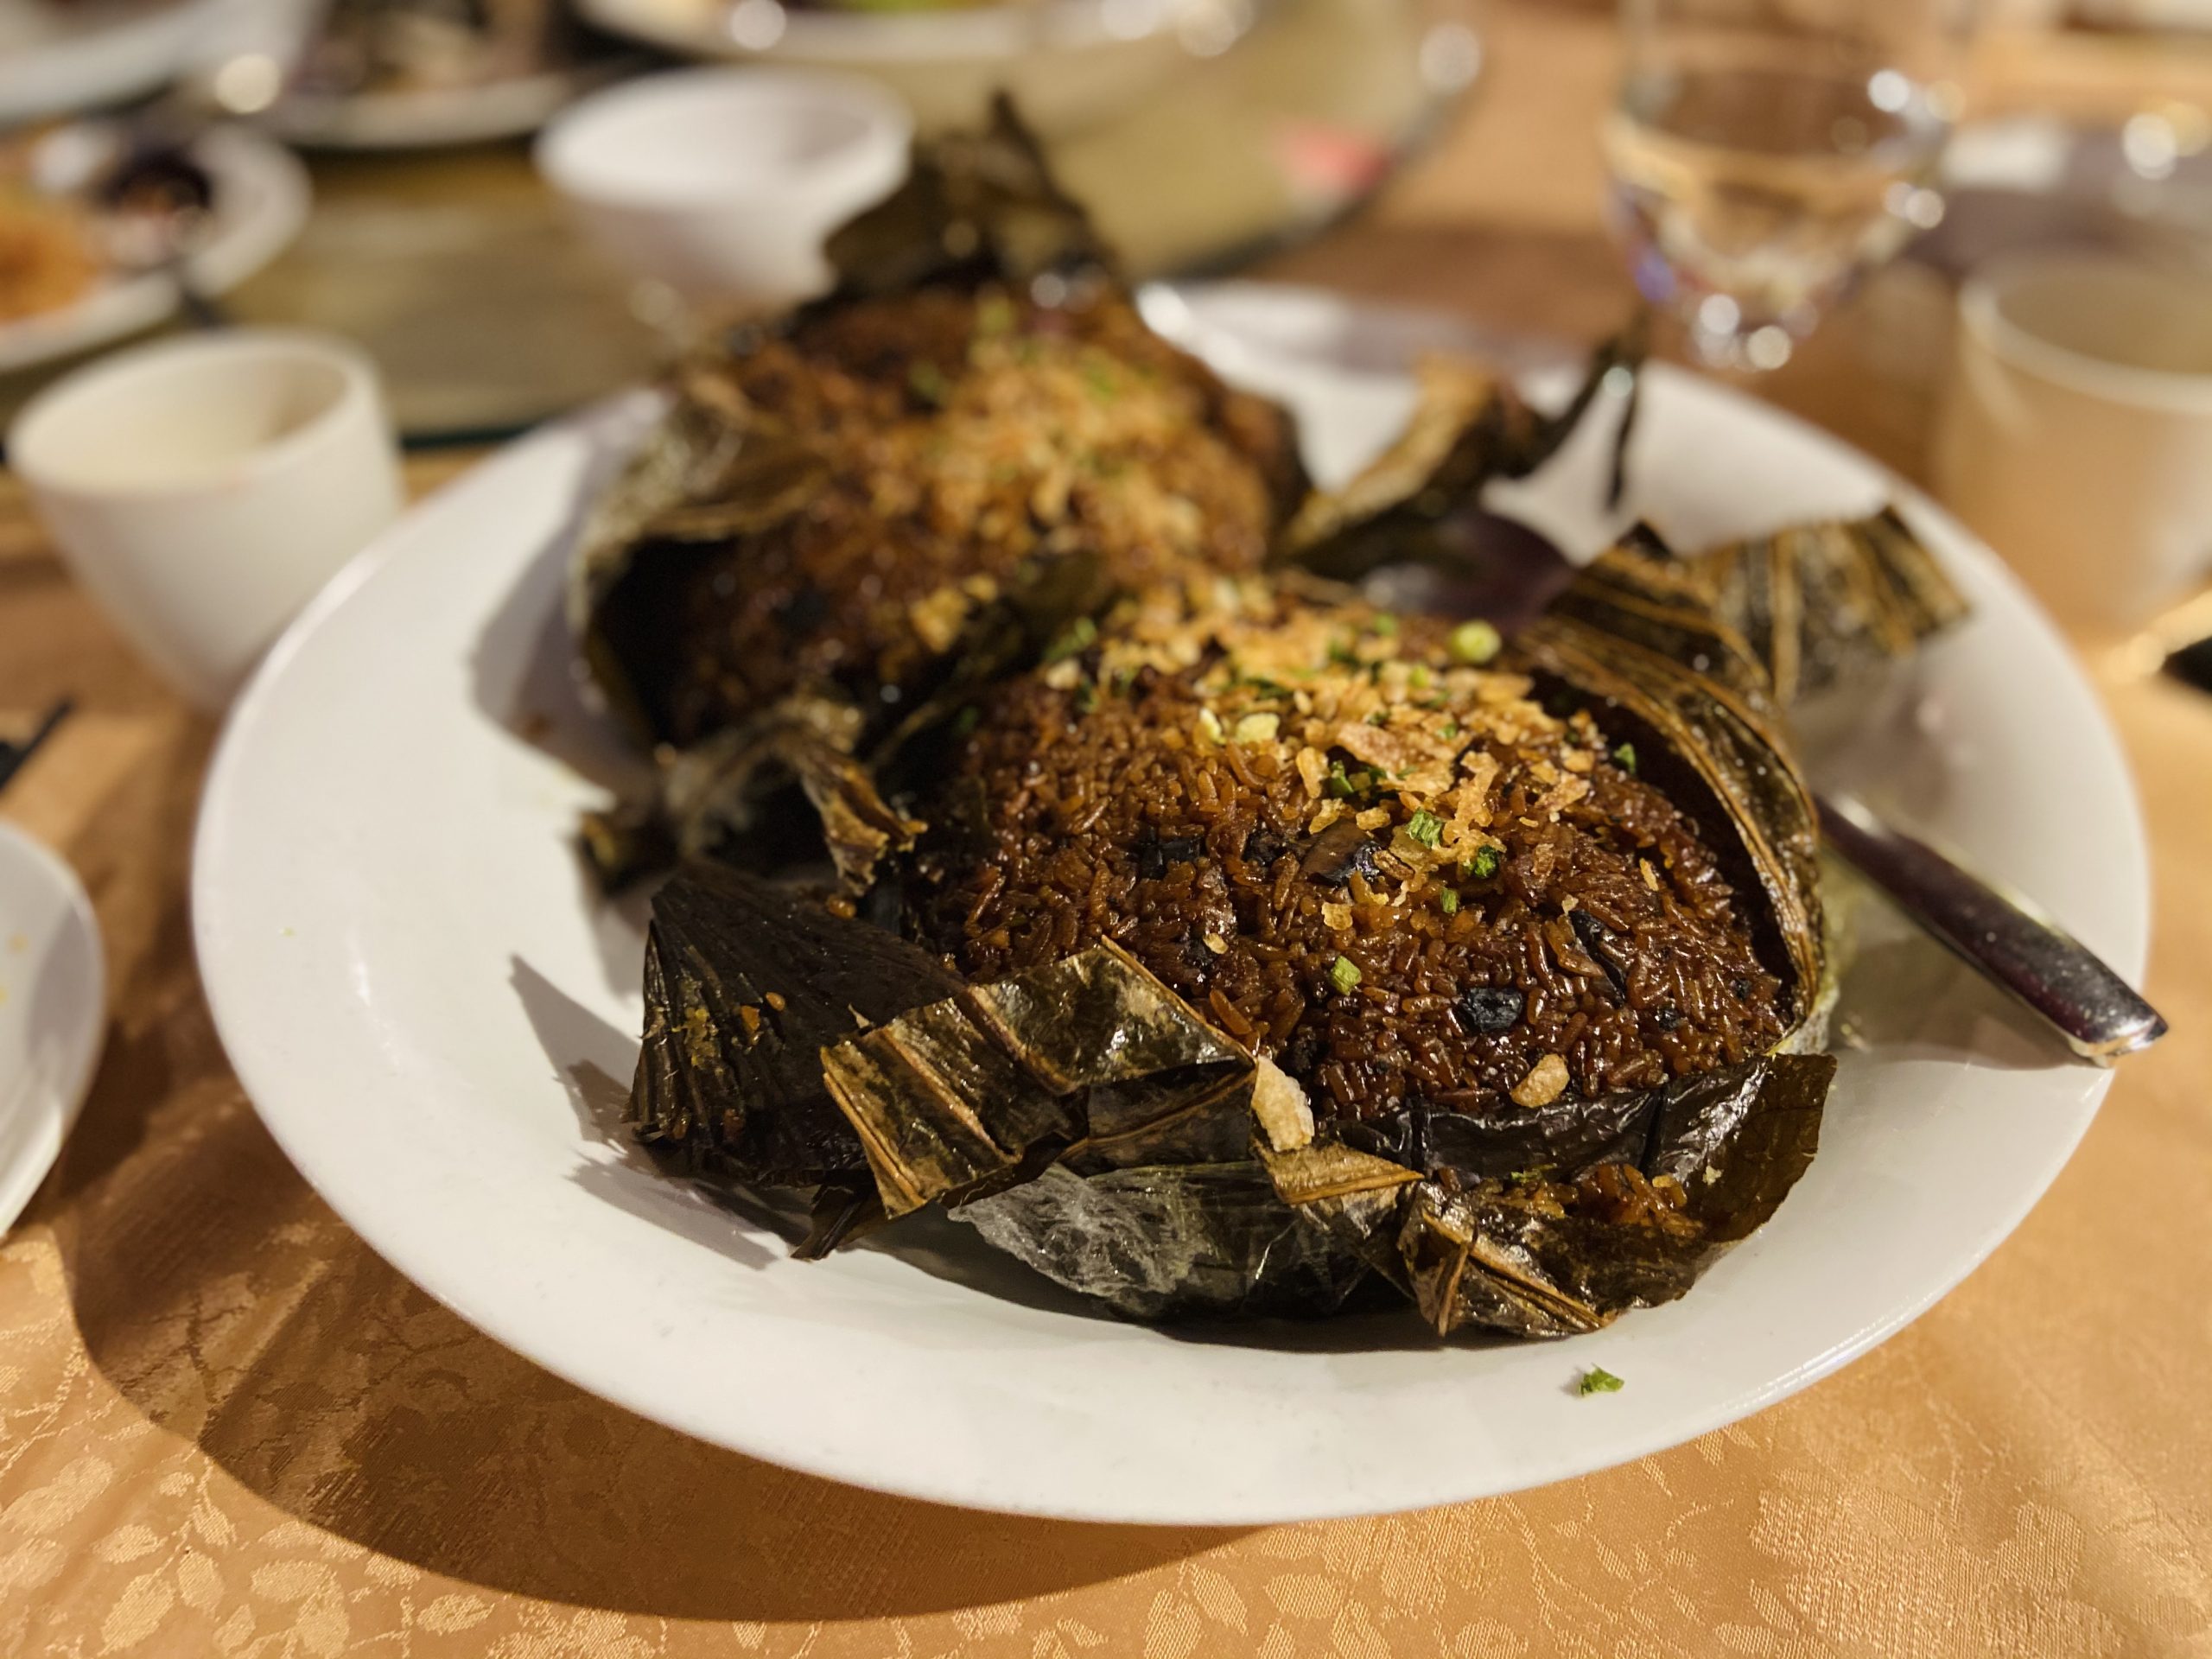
column 53, row 1012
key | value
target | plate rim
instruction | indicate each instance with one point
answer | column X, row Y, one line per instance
column 994, row 33
column 134, row 50
column 1678, row 1429
column 57, row 1106
column 116, row 309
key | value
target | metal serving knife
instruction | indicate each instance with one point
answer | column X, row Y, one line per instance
column 2005, row 935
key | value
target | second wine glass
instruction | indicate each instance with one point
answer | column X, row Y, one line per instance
column 1765, row 152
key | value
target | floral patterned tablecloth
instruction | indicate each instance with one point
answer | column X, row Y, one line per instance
column 227, row 1427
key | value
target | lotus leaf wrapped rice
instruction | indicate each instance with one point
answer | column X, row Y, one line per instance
column 1205, row 936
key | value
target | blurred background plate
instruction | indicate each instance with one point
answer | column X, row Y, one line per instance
column 58, row 60
column 261, row 199
column 52, row 1011
column 431, row 118
column 1069, row 63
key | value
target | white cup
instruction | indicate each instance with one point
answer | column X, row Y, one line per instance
column 2076, row 431
column 724, row 184
column 203, row 489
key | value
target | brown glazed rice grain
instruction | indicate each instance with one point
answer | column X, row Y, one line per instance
column 1110, row 808
column 956, row 438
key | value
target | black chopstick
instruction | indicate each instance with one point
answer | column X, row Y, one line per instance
column 13, row 755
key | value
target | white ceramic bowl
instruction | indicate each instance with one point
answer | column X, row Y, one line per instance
column 2076, row 431
column 724, row 184
column 202, row 489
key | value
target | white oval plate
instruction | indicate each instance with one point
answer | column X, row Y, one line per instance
column 1066, row 63
column 431, row 117
column 52, row 1011
column 261, row 202
column 63, row 59
column 436, row 1021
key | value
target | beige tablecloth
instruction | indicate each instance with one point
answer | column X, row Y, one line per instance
column 226, row 1427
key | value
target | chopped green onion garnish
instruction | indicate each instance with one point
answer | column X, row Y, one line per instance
column 1080, row 635
column 1599, row 1379
column 1343, row 785
column 1483, row 865
column 928, row 382
column 1419, row 677
column 1425, row 827
column 1474, row 642
column 1451, row 728
column 1448, row 902
column 1343, row 974
column 1384, row 624
column 1378, row 717
column 1086, row 697
column 1626, row 755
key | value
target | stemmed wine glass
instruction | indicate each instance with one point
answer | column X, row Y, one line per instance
column 1765, row 152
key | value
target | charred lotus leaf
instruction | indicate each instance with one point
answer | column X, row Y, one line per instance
column 1332, row 1172
column 1739, row 1141
column 1179, row 1241
column 688, row 449
column 745, row 983
column 975, row 207
column 1419, row 504
column 626, row 841
column 1568, row 1134
column 1466, row 427
column 1825, row 606
column 845, row 1210
column 706, row 472
column 1620, row 1207
column 942, row 1110
column 1631, row 640
column 1092, row 1056
column 723, row 793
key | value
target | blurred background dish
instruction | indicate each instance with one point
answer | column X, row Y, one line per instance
column 2076, row 430
column 400, row 75
column 58, row 57
column 81, row 265
column 52, row 1015
column 429, row 118
column 1069, row 63
column 723, row 183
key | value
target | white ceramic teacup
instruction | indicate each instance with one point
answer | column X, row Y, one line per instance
column 724, row 184
column 203, row 489
column 2077, row 432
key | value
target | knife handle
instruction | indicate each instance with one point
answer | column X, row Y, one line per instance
column 2013, row 943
